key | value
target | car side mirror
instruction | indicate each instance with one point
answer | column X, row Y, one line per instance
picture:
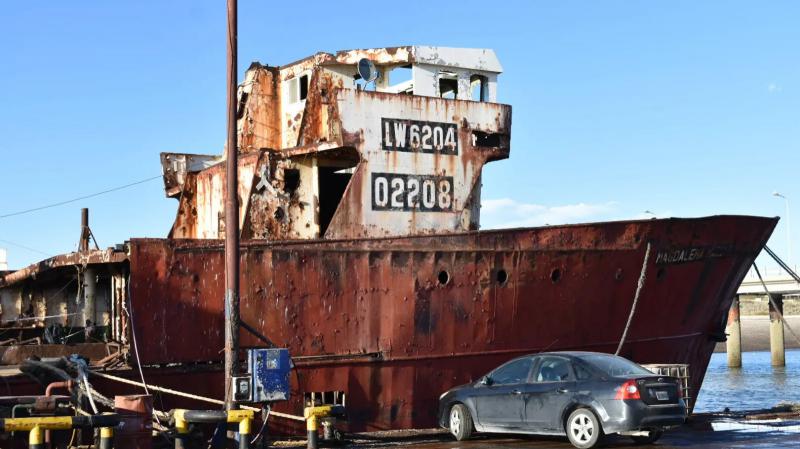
column 486, row 380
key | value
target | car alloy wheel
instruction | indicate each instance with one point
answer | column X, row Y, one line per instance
column 455, row 421
column 460, row 422
column 583, row 429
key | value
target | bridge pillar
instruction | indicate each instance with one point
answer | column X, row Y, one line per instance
column 776, row 345
column 733, row 346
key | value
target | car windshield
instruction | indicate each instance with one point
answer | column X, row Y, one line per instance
column 614, row 366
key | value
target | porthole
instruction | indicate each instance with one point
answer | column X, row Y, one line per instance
column 555, row 275
column 443, row 277
column 501, row 276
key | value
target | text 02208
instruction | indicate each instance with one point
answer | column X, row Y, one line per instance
column 402, row 192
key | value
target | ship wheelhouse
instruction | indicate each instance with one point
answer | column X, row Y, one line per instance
column 325, row 153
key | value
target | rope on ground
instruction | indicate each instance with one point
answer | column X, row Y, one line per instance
column 774, row 306
column 189, row 395
column 639, row 286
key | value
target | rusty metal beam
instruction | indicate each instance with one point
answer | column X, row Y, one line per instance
column 84, row 241
column 231, row 217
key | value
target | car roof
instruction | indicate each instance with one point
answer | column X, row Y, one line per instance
column 577, row 354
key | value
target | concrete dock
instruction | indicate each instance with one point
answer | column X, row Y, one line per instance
column 703, row 430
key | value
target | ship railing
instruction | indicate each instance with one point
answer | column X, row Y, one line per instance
column 679, row 370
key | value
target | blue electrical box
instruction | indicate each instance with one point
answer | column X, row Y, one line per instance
column 269, row 372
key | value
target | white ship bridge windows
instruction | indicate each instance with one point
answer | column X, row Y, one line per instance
column 448, row 85
column 479, row 88
column 298, row 89
column 398, row 80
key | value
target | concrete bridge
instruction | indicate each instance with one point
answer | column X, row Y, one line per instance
column 780, row 285
column 778, row 282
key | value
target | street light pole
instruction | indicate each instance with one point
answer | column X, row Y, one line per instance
column 788, row 227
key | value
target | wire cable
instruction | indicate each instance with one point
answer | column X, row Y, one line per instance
column 775, row 306
column 92, row 195
column 33, row 250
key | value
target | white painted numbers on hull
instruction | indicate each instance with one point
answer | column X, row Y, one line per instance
column 414, row 135
column 401, row 192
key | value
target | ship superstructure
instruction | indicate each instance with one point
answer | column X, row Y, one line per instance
column 325, row 155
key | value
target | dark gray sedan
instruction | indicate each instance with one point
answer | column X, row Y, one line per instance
column 584, row 395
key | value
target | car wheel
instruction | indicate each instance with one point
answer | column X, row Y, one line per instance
column 460, row 422
column 652, row 436
column 583, row 429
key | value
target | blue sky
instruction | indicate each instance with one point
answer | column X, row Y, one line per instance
column 682, row 108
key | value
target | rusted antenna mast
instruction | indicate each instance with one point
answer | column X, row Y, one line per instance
column 231, row 217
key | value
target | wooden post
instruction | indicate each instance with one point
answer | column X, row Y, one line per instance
column 734, row 330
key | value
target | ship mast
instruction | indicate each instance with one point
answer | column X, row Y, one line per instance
column 231, row 217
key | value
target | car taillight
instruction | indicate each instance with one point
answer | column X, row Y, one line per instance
column 628, row 390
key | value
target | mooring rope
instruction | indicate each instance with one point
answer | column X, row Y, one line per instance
column 639, row 286
column 189, row 395
column 774, row 305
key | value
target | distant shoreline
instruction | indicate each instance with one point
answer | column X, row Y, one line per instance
column 755, row 333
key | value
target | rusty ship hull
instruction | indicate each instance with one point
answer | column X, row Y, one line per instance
column 377, row 320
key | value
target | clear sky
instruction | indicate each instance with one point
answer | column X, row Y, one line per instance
column 682, row 108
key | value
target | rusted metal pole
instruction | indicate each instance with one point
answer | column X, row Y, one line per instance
column 231, row 218
column 83, row 244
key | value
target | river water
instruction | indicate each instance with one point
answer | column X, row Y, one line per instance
column 756, row 385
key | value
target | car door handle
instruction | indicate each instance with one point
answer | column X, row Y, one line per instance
column 516, row 392
column 562, row 390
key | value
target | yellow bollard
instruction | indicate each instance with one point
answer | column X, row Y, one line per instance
column 36, row 438
column 106, row 438
column 312, row 415
column 181, row 429
column 245, row 420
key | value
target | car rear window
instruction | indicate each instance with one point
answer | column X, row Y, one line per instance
column 614, row 366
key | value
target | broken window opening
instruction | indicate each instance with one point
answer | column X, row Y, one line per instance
column 291, row 180
column 448, row 87
column 479, row 88
column 303, row 87
column 333, row 182
column 401, row 79
column 298, row 89
column 483, row 139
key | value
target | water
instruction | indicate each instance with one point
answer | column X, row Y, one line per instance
column 756, row 385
